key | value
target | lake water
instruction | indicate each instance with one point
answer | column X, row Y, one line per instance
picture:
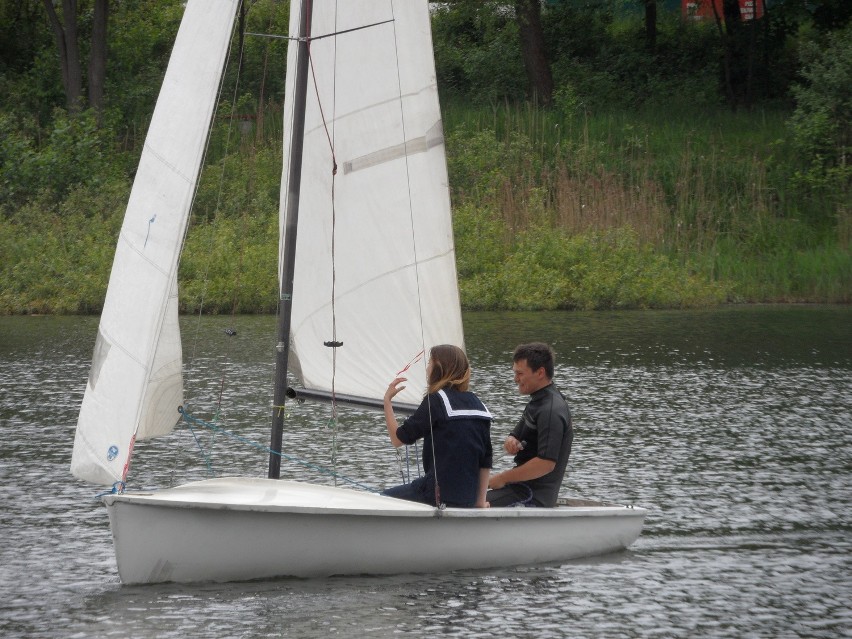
column 732, row 426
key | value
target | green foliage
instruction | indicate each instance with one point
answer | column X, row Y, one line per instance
column 545, row 269
column 635, row 191
column 822, row 122
column 478, row 163
column 785, row 271
column 141, row 34
column 30, row 80
column 477, row 53
column 60, row 262
column 229, row 263
column 694, row 192
column 481, row 240
column 260, row 55
column 75, row 152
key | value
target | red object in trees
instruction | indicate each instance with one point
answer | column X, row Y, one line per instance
column 703, row 9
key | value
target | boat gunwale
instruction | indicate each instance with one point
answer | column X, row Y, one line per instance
column 393, row 508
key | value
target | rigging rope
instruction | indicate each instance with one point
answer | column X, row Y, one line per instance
column 216, row 212
column 416, row 260
column 189, row 419
column 334, row 343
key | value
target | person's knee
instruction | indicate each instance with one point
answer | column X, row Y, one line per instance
column 501, row 497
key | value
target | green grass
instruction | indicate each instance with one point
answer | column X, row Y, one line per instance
column 551, row 211
column 703, row 195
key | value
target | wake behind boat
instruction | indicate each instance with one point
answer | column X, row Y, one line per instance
column 367, row 281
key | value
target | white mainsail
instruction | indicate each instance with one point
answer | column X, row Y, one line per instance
column 393, row 258
column 135, row 385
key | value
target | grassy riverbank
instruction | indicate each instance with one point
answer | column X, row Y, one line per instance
column 552, row 209
column 652, row 180
column 626, row 210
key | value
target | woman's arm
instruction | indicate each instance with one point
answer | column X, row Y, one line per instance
column 484, row 474
column 390, row 419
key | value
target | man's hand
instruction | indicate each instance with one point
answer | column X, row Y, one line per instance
column 512, row 445
column 496, row 481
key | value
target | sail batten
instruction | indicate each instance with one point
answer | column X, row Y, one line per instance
column 136, row 384
column 434, row 137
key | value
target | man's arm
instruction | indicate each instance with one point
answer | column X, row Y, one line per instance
column 533, row 469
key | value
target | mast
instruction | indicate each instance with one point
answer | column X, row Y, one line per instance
column 294, row 179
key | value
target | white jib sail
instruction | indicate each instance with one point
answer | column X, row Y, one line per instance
column 135, row 385
column 374, row 88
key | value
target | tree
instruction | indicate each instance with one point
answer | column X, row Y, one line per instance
column 528, row 14
column 98, row 56
column 466, row 20
column 67, row 36
column 822, row 122
column 650, row 24
column 738, row 50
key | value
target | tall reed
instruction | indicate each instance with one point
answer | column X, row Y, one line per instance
column 707, row 188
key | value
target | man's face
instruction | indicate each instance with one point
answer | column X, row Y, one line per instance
column 528, row 381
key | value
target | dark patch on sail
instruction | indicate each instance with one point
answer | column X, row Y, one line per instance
column 99, row 356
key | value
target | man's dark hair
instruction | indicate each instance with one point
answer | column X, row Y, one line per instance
column 536, row 355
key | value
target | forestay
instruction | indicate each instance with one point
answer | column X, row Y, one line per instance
column 135, row 384
column 372, row 95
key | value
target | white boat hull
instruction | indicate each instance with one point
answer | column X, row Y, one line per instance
column 234, row 529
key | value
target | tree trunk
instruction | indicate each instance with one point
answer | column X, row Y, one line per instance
column 739, row 41
column 727, row 55
column 98, row 57
column 528, row 13
column 69, row 50
column 651, row 24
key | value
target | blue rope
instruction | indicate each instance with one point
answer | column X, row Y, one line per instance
column 407, row 477
column 207, row 461
column 525, row 503
column 320, row 469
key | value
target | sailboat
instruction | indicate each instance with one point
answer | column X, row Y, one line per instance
column 367, row 282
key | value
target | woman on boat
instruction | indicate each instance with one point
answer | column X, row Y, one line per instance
column 456, row 431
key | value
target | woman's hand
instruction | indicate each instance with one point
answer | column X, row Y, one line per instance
column 394, row 388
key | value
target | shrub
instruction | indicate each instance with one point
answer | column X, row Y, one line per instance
column 822, row 122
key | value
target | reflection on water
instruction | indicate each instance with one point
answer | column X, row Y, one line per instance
column 731, row 426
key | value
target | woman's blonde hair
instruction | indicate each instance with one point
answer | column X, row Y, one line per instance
column 449, row 368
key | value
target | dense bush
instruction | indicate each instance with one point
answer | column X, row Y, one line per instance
column 50, row 163
column 477, row 54
column 822, row 122
column 545, row 268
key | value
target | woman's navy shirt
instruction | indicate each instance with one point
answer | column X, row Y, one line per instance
column 460, row 435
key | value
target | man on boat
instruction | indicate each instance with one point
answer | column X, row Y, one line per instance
column 541, row 442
